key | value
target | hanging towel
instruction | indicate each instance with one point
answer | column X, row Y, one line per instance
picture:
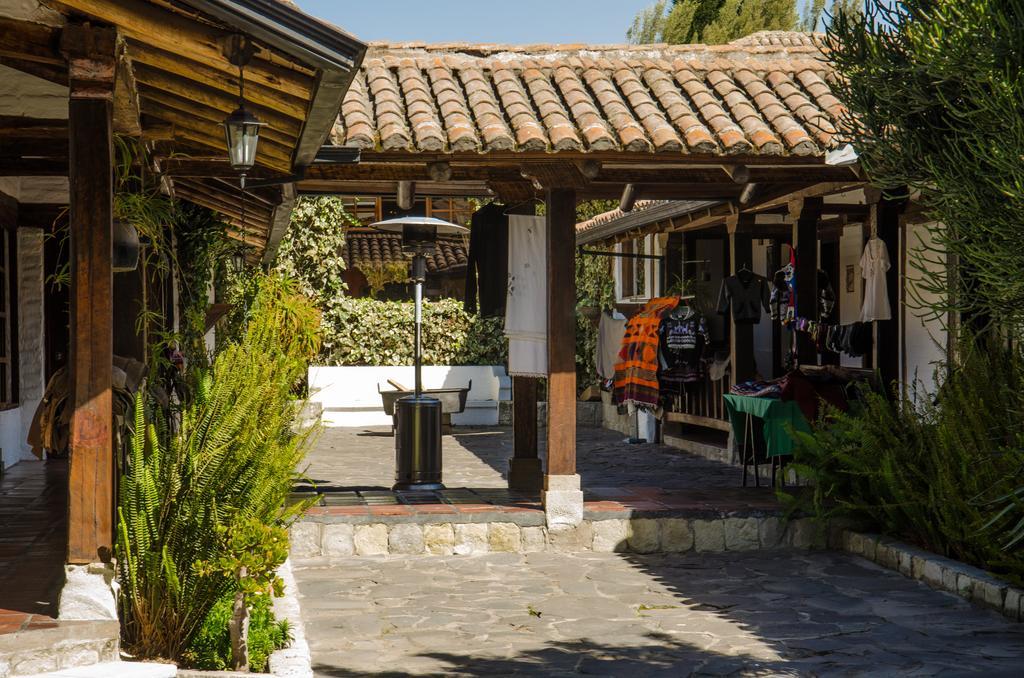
column 636, row 374
column 526, row 308
column 609, row 342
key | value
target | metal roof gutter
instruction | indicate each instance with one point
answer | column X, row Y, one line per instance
column 640, row 218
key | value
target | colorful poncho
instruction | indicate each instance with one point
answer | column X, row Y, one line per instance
column 636, row 373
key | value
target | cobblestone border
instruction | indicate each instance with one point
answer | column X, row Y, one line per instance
column 944, row 574
column 633, row 535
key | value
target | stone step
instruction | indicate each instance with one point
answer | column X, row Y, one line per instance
column 44, row 644
column 115, row 669
column 404, row 536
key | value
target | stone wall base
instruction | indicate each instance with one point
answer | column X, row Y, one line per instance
column 633, row 535
column 67, row 645
column 944, row 574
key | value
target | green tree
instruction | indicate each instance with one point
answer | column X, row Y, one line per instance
column 934, row 91
column 711, row 21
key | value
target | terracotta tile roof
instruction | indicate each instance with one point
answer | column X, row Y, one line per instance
column 611, row 215
column 364, row 249
column 766, row 94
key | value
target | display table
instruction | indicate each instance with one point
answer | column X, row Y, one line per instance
column 777, row 415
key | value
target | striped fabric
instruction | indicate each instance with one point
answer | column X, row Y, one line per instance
column 636, row 373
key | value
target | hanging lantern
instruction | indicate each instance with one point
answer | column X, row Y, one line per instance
column 242, row 133
column 238, row 259
column 125, row 247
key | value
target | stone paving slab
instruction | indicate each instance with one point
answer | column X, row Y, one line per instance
column 545, row 614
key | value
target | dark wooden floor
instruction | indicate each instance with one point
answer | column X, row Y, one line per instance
column 33, row 536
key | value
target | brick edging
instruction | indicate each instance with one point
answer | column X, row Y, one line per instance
column 968, row 582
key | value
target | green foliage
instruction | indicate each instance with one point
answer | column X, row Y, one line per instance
column 210, row 648
column 312, row 250
column 203, row 245
column 929, row 471
column 229, row 463
column 934, row 90
column 371, row 332
column 711, row 21
column 251, row 552
column 595, row 291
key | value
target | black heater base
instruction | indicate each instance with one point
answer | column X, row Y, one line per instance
column 418, row 444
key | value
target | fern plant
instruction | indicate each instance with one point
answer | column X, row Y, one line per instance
column 230, row 460
column 941, row 470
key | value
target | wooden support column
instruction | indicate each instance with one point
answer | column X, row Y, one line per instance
column 673, row 266
column 561, row 251
column 888, row 335
column 741, row 336
column 807, row 275
column 90, row 53
column 562, row 495
column 525, row 471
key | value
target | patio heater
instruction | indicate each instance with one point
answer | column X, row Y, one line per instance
column 418, row 417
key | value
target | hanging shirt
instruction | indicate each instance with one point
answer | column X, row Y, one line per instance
column 609, row 342
column 747, row 293
column 874, row 264
column 682, row 341
column 487, row 261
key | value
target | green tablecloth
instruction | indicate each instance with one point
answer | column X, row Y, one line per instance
column 775, row 413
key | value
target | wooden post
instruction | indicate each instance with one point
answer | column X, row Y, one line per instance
column 807, row 276
column 525, row 471
column 673, row 267
column 90, row 53
column 741, row 336
column 561, row 248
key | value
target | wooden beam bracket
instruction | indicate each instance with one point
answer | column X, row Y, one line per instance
column 91, row 52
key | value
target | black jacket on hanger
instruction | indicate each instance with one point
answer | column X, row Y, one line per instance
column 747, row 293
column 487, row 262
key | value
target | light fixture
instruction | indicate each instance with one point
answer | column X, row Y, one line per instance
column 238, row 259
column 242, row 127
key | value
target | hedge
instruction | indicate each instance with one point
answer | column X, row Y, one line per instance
column 375, row 333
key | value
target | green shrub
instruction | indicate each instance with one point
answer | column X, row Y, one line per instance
column 928, row 469
column 229, row 462
column 210, row 648
column 371, row 332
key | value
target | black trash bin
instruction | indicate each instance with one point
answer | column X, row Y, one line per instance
column 418, row 443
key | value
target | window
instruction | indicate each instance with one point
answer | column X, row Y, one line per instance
column 8, row 322
column 455, row 210
column 638, row 277
column 627, row 269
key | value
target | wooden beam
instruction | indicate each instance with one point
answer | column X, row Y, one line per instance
column 91, row 475
column 126, row 99
column 26, row 41
column 525, row 472
column 199, row 113
column 628, row 198
column 159, row 63
column 40, row 215
column 198, row 41
column 172, row 90
column 91, row 52
column 33, row 167
column 17, row 127
column 561, row 280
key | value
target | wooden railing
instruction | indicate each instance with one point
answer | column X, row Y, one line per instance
column 701, row 405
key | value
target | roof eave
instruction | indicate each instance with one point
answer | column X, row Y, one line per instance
column 641, row 218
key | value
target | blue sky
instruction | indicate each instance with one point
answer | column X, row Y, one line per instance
column 502, row 21
column 505, row 21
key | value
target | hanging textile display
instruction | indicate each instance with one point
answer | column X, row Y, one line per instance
column 683, row 340
column 746, row 293
column 874, row 264
column 610, row 331
column 636, row 373
column 526, row 307
column 782, row 302
column 487, row 261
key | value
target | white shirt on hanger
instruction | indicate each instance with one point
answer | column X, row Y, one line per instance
column 873, row 266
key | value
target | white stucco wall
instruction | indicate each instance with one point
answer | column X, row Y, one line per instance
column 349, row 395
column 925, row 337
